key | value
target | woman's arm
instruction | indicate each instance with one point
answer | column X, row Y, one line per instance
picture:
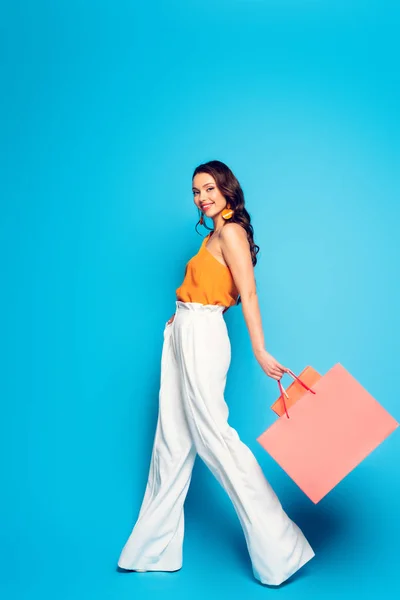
column 236, row 252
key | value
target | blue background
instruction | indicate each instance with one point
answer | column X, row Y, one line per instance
column 107, row 107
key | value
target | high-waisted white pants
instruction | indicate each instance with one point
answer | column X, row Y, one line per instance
column 192, row 419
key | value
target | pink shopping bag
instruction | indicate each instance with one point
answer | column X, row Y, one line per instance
column 329, row 430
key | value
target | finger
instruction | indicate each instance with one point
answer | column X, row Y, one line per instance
column 275, row 375
column 275, row 372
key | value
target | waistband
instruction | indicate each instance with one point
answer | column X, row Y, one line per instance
column 198, row 307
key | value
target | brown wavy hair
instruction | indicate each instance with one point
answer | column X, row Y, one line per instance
column 231, row 189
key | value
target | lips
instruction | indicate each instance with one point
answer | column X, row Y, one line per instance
column 206, row 206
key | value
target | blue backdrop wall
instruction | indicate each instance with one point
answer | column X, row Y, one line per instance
column 107, row 107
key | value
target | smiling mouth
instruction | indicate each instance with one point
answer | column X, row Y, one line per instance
column 206, row 206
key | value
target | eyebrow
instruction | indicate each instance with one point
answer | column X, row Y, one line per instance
column 209, row 183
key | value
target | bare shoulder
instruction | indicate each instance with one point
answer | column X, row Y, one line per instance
column 233, row 233
column 235, row 249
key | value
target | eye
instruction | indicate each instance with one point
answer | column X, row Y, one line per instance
column 210, row 188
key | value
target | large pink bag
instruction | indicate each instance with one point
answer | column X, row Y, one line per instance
column 333, row 426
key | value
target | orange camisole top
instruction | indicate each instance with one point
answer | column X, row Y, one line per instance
column 207, row 281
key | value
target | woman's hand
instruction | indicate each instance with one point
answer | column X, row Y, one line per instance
column 270, row 365
column 171, row 319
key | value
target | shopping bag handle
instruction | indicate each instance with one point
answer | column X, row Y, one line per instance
column 283, row 393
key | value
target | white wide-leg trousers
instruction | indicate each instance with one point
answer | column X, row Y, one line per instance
column 192, row 419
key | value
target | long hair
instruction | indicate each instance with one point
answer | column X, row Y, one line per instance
column 230, row 188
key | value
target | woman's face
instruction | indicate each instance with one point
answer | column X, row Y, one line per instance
column 207, row 196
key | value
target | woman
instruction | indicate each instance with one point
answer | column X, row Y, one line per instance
column 192, row 416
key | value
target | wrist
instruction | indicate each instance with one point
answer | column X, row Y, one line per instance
column 258, row 352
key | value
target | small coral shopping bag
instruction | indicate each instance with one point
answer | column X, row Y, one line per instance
column 333, row 424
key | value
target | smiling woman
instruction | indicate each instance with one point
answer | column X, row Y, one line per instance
column 193, row 413
column 217, row 192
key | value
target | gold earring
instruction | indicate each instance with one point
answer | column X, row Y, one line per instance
column 227, row 213
column 201, row 219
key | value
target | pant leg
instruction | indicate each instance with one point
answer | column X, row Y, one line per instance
column 156, row 541
column 276, row 545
